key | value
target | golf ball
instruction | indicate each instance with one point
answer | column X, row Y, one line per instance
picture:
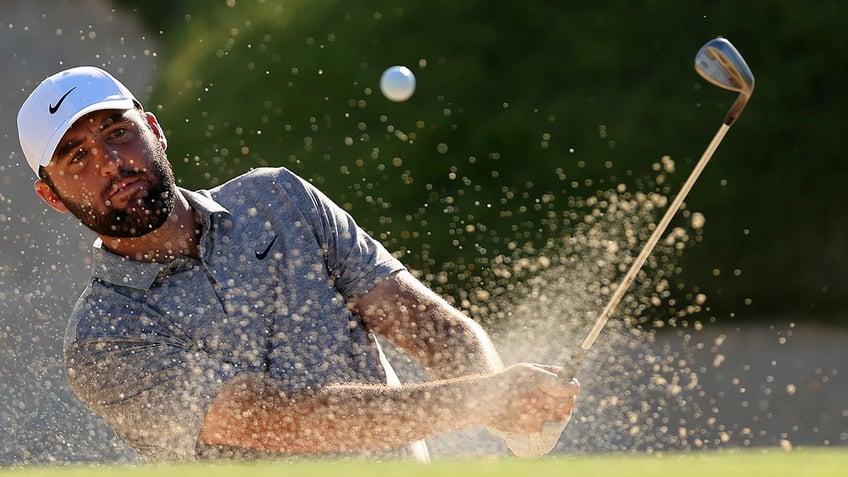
column 397, row 83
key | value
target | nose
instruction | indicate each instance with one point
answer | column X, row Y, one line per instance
column 110, row 160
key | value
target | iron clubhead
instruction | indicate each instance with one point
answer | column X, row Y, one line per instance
column 720, row 63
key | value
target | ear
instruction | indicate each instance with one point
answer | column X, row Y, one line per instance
column 46, row 193
column 157, row 129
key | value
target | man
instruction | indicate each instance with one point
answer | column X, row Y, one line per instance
column 241, row 320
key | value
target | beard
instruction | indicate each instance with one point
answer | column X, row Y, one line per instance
column 142, row 215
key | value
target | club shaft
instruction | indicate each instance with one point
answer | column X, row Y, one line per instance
column 570, row 369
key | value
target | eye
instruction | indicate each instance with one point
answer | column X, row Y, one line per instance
column 78, row 156
column 117, row 132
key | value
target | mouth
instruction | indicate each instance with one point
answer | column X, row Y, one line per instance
column 125, row 189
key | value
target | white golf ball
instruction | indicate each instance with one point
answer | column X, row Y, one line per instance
column 397, row 83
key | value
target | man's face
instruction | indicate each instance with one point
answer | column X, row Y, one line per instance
column 110, row 170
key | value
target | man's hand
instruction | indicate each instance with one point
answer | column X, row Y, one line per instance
column 536, row 407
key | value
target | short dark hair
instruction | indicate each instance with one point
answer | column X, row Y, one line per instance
column 42, row 174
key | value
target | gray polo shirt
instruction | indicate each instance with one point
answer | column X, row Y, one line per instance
column 148, row 345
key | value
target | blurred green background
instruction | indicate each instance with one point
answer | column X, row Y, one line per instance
column 525, row 111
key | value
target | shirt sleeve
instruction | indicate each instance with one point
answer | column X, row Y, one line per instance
column 149, row 383
column 356, row 261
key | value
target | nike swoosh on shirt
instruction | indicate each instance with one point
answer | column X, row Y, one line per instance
column 261, row 255
column 52, row 108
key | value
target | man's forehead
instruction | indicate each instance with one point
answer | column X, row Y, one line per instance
column 99, row 119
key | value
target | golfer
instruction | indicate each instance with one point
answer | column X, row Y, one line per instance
column 240, row 321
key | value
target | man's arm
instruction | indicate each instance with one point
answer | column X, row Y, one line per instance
column 252, row 411
column 447, row 343
column 470, row 388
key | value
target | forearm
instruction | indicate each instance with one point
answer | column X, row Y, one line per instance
column 447, row 343
column 252, row 412
column 456, row 347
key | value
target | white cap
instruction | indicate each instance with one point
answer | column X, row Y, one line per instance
column 58, row 101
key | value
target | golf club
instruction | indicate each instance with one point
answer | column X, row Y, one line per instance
column 720, row 63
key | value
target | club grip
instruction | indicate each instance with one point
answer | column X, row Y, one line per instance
column 569, row 369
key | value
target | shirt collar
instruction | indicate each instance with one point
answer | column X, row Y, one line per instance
column 117, row 270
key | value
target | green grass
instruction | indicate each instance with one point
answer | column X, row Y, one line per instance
column 748, row 463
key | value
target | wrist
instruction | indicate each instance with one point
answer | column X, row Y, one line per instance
column 482, row 403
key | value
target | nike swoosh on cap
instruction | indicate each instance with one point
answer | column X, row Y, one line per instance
column 52, row 108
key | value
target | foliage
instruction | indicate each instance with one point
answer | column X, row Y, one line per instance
column 524, row 111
